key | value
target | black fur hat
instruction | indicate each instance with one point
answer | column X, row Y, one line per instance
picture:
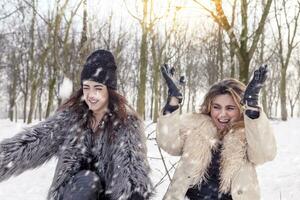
column 101, row 67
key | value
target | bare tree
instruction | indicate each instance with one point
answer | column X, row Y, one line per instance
column 284, row 52
column 231, row 43
column 210, row 55
column 293, row 90
column 33, row 71
column 12, row 88
column 240, row 45
column 13, row 10
column 158, row 46
column 69, row 50
column 272, row 94
column 297, row 65
column 56, row 64
column 147, row 22
column 143, row 61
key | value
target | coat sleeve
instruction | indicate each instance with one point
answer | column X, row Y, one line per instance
column 76, row 156
column 31, row 147
column 168, row 135
column 260, row 139
column 130, row 171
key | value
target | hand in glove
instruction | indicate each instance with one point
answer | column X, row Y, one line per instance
column 252, row 90
column 173, row 86
column 168, row 74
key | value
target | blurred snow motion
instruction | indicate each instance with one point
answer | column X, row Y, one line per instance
column 66, row 88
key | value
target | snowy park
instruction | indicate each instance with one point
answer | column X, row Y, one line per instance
column 93, row 74
column 279, row 179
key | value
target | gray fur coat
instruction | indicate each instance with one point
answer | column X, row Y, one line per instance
column 121, row 164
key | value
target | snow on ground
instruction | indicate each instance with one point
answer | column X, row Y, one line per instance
column 279, row 179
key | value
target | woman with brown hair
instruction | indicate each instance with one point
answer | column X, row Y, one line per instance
column 221, row 145
column 98, row 138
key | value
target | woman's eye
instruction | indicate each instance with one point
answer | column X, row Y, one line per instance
column 215, row 107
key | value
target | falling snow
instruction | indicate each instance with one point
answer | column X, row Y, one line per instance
column 279, row 179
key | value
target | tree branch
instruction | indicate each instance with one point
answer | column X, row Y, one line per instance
column 131, row 14
column 260, row 28
column 10, row 14
column 223, row 22
column 29, row 4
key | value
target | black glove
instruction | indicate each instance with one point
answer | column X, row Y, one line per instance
column 168, row 74
column 173, row 88
column 252, row 91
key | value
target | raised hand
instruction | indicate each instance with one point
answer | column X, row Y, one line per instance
column 253, row 88
column 173, row 88
column 173, row 85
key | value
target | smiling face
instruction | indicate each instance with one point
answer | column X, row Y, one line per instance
column 224, row 111
column 96, row 96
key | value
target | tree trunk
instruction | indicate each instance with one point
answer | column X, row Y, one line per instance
column 231, row 46
column 54, row 72
column 25, row 103
column 12, row 100
column 264, row 101
column 261, row 58
column 13, row 87
column 32, row 71
column 189, row 84
column 193, row 103
column 142, row 76
column 16, row 112
column 220, row 53
column 40, row 108
column 292, row 109
column 244, row 70
column 143, row 63
column 84, row 46
column 284, row 113
column 232, row 61
column 155, row 78
column 285, row 59
column 32, row 101
column 51, row 88
column 241, row 50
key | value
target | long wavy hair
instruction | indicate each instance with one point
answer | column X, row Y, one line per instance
column 229, row 86
column 117, row 105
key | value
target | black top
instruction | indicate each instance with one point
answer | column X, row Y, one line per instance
column 210, row 190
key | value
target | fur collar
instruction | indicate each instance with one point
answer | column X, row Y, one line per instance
column 233, row 156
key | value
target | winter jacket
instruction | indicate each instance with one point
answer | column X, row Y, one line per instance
column 193, row 137
column 121, row 164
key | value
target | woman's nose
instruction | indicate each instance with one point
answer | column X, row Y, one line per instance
column 223, row 112
column 93, row 94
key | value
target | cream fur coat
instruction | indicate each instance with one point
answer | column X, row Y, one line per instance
column 193, row 136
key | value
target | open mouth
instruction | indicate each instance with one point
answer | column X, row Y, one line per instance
column 223, row 123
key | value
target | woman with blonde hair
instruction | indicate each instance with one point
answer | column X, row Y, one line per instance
column 220, row 146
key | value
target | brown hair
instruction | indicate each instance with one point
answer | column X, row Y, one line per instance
column 117, row 105
column 229, row 86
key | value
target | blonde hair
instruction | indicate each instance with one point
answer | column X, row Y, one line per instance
column 229, row 86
